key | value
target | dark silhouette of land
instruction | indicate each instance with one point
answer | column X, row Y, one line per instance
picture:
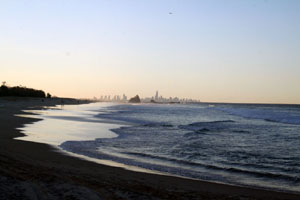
column 135, row 99
column 21, row 91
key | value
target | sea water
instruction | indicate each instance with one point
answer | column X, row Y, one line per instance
column 242, row 144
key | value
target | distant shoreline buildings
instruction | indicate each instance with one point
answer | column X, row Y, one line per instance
column 154, row 99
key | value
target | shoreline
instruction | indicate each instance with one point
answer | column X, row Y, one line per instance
column 43, row 172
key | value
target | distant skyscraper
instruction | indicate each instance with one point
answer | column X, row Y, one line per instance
column 156, row 95
column 124, row 97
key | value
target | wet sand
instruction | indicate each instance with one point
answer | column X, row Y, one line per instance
column 31, row 170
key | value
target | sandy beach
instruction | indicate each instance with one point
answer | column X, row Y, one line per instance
column 31, row 170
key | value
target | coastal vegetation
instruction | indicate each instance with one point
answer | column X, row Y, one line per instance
column 21, row 91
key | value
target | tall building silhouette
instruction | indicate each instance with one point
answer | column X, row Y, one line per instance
column 156, row 95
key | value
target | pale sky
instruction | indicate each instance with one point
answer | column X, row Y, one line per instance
column 220, row 51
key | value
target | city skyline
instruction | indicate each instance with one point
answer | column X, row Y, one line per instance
column 155, row 98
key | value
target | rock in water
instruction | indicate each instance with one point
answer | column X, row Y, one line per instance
column 152, row 101
column 135, row 99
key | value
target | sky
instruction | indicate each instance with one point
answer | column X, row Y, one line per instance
column 215, row 51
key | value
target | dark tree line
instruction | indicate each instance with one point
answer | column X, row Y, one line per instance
column 20, row 91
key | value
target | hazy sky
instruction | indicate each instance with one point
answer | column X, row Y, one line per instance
column 229, row 51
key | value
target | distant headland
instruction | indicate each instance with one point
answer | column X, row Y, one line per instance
column 21, row 91
column 135, row 99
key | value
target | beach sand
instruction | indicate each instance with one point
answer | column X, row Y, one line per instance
column 31, row 170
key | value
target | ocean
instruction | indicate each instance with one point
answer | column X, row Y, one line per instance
column 251, row 145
